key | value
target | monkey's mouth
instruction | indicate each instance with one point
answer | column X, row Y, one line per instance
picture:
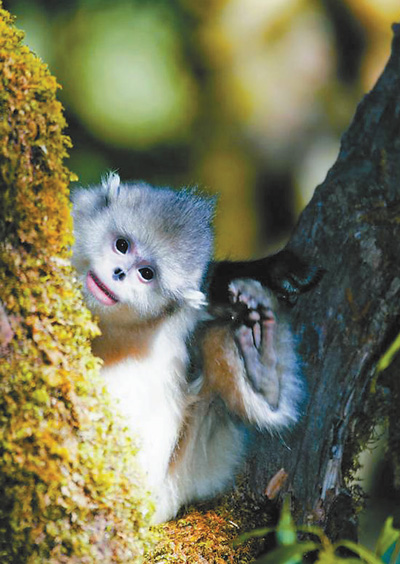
column 100, row 290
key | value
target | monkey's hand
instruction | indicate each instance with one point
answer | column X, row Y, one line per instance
column 249, row 358
column 256, row 336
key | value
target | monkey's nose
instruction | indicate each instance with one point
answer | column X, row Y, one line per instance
column 119, row 274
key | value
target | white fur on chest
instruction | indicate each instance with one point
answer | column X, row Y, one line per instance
column 150, row 393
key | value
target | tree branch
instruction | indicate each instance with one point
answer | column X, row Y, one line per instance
column 351, row 228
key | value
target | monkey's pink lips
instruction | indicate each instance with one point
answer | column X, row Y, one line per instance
column 100, row 290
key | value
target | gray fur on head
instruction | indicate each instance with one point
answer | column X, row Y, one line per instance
column 174, row 228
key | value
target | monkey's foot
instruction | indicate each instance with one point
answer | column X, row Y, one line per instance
column 255, row 336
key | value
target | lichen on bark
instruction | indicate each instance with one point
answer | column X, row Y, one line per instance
column 70, row 489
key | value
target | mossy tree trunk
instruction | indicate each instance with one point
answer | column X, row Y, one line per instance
column 69, row 488
column 352, row 229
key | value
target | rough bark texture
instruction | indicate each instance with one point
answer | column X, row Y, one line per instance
column 352, row 229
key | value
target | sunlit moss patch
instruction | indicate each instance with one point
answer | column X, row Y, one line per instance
column 69, row 487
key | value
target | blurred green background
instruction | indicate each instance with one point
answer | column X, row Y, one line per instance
column 245, row 98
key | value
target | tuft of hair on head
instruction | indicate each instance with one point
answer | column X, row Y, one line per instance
column 112, row 183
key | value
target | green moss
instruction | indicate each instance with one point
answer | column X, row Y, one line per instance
column 69, row 487
column 206, row 534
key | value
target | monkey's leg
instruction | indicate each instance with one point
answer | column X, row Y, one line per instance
column 256, row 338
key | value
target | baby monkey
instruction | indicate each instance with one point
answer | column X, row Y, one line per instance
column 188, row 382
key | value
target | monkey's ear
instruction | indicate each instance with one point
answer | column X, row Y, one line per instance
column 195, row 298
column 86, row 200
column 112, row 184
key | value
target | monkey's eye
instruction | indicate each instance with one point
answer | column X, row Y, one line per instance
column 122, row 245
column 147, row 273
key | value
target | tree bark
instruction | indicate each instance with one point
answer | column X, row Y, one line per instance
column 343, row 327
column 352, row 229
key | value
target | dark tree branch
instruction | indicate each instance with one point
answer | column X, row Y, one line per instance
column 352, row 229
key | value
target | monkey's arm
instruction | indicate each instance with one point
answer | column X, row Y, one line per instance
column 250, row 361
column 284, row 273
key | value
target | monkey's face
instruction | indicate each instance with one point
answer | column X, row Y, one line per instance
column 140, row 251
column 122, row 279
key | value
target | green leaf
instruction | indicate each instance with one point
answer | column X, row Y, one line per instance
column 388, row 356
column 364, row 553
column 346, row 560
column 288, row 554
column 314, row 530
column 257, row 533
column 286, row 533
column 387, row 537
column 391, row 556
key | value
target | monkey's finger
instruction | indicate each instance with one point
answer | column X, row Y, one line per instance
column 262, row 380
column 267, row 349
column 256, row 329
